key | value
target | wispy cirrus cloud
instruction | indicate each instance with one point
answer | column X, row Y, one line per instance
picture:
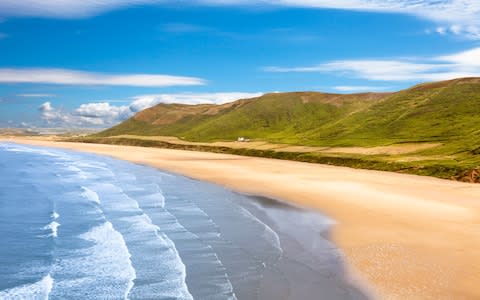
column 359, row 88
column 462, row 64
column 74, row 77
column 104, row 114
column 35, row 95
column 185, row 28
column 471, row 31
column 280, row 34
column 64, row 8
column 459, row 16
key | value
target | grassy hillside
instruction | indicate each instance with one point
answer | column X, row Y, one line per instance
column 281, row 117
column 446, row 113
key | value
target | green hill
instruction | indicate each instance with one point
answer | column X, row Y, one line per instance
column 282, row 117
column 446, row 113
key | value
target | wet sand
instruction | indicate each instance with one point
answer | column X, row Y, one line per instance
column 311, row 266
column 405, row 236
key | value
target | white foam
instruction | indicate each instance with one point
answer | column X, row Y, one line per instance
column 90, row 195
column 53, row 226
column 142, row 234
column 268, row 232
column 55, row 215
column 289, row 220
column 105, row 268
column 42, row 151
column 80, row 173
column 216, row 272
column 92, row 167
column 35, row 291
column 174, row 288
column 150, row 194
column 90, row 164
column 208, row 252
column 155, row 199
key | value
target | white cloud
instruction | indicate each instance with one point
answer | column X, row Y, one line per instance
column 444, row 12
column 462, row 64
column 73, row 77
column 441, row 30
column 87, row 115
column 103, row 114
column 46, row 107
column 105, row 111
column 456, row 29
column 55, row 117
column 466, row 59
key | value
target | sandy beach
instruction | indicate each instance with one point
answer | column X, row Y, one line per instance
column 405, row 236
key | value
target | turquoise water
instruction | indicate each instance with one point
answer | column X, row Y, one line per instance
column 81, row 226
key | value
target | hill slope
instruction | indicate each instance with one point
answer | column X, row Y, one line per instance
column 446, row 113
column 429, row 112
column 282, row 117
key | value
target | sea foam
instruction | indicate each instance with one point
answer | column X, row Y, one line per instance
column 110, row 248
column 90, row 195
column 102, row 270
column 38, row 290
column 142, row 236
column 53, row 227
column 55, row 215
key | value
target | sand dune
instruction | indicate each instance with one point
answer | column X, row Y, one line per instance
column 408, row 237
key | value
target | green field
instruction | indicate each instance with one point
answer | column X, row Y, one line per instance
column 445, row 113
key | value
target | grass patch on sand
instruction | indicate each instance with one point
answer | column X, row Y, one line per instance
column 464, row 168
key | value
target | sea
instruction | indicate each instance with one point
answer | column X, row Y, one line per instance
column 83, row 226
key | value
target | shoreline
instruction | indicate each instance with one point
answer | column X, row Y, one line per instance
column 405, row 236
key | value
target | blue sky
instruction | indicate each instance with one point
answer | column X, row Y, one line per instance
column 93, row 63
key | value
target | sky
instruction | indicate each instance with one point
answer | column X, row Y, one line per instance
column 94, row 63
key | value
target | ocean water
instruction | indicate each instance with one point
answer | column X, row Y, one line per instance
column 82, row 226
